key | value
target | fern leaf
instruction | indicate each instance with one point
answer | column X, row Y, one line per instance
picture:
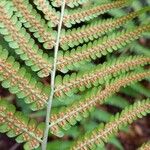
column 108, row 44
column 21, row 83
column 50, row 13
column 145, row 146
column 69, row 116
column 32, row 20
column 94, row 30
column 139, row 88
column 88, row 13
column 103, row 133
column 115, row 101
column 21, row 41
column 138, row 4
column 15, row 124
column 139, row 49
column 70, row 3
column 70, row 84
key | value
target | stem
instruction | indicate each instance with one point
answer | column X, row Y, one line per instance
column 53, row 73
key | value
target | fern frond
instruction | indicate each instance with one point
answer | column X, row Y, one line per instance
column 88, row 13
column 108, row 44
column 117, row 101
column 145, row 146
column 103, row 133
column 70, row 84
column 21, row 83
column 21, row 41
column 96, row 29
column 70, row 3
column 32, row 20
column 141, row 89
column 139, row 4
column 50, row 13
column 70, row 115
column 15, row 124
column 139, row 49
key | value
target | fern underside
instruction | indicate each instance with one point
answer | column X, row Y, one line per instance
column 95, row 57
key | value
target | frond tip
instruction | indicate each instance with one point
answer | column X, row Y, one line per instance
column 102, row 133
column 15, row 124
